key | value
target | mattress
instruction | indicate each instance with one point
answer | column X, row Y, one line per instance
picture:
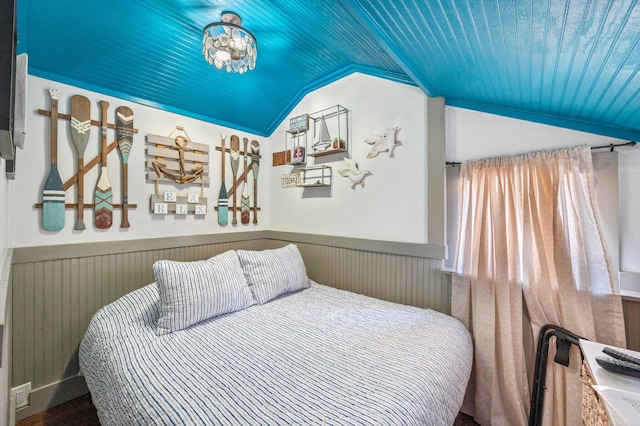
column 317, row 356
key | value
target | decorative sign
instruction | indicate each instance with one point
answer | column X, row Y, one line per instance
column 299, row 124
column 169, row 202
column 177, row 160
column 290, row 180
column 281, row 158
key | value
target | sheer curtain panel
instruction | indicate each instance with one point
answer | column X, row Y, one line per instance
column 530, row 252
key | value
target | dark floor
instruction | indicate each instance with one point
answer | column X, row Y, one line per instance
column 81, row 412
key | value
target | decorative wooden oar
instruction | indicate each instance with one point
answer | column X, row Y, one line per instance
column 53, row 193
column 223, row 199
column 103, row 198
column 255, row 159
column 245, row 209
column 235, row 159
column 80, row 129
column 124, row 130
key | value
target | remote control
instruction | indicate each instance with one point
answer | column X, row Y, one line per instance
column 620, row 355
column 620, row 367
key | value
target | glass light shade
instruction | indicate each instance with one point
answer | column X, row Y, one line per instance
column 227, row 45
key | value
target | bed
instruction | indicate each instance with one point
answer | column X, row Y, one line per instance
column 310, row 355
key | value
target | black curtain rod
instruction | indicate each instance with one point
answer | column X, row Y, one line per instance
column 613, row 146
column 610, row 146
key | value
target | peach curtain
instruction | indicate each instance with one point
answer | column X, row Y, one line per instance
column 530, row 252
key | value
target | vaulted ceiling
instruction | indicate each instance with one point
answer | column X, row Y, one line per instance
column 570, row 63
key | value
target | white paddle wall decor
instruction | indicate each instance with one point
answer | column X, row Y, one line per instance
column 253, row 154
column 80, row 123
column 53, row 194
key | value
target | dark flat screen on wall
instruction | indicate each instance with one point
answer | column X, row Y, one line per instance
column 7, row 66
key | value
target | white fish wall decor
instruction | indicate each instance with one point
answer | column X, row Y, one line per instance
column 383, row 142
column 353, row 173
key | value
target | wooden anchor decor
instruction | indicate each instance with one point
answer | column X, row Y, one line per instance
column 253, row 167
column 177, row 160
column 80, row 124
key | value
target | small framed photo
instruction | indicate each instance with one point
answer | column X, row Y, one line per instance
column 298, row 155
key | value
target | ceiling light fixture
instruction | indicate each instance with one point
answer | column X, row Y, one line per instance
column 228, row 45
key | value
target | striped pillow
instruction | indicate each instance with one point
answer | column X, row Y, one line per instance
column 271, row 273
column 191, row 292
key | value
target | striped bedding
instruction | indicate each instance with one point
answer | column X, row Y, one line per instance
column 320, row 356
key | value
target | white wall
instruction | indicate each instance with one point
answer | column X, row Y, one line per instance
column 629, row 190
column 33, row 168
column 474, row 135
column 391, row 205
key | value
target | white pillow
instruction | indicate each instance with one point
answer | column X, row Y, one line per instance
column 271, row 273
column 191, row 292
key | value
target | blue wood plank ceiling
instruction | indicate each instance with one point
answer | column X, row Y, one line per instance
column 570, row 63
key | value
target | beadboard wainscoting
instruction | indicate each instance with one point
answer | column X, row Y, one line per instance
column 409, row 280
column 5, row 338
column 57, row 289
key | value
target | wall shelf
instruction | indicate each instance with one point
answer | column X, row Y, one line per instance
column 296, row 144
column 315, row 176
column 331, row 124
column 329, row 128
column 327, row 152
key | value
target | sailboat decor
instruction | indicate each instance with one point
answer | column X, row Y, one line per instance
column 322, row 141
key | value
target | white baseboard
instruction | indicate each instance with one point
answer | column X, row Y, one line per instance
column 53, row 394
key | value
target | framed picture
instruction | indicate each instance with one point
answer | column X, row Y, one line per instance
column 298, row 155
